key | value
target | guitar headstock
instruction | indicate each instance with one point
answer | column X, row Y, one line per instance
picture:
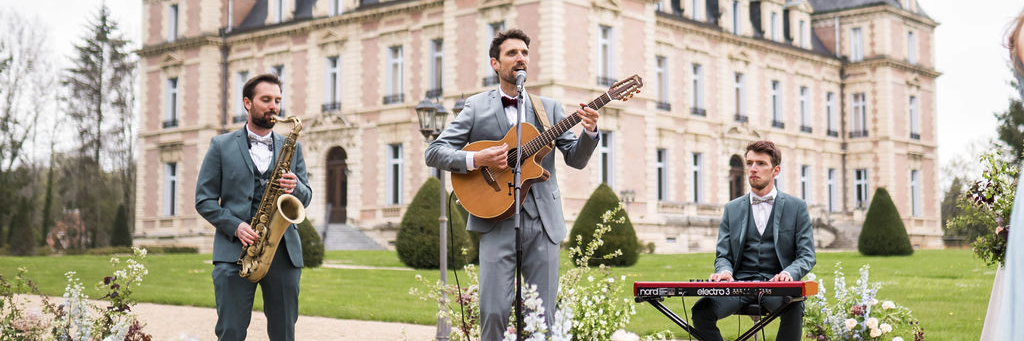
column 624, row 89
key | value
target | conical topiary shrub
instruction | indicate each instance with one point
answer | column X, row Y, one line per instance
column 883, row 233
column 417, row 240
column 23, row 237
column 312, row 245
column 621, row 237
column 121, row 235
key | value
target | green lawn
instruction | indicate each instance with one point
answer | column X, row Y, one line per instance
column 947, row 290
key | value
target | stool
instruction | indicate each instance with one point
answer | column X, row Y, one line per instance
column 755, row 311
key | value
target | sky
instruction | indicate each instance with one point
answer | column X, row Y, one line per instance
column 969, row 52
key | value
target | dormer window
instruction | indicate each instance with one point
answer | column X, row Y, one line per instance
column 172, row 23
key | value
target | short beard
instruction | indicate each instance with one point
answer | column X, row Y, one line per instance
column 759, row 186
column 262, row 121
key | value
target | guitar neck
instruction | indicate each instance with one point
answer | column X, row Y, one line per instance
column 562, row 126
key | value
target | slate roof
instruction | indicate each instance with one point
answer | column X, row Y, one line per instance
column 822, row 6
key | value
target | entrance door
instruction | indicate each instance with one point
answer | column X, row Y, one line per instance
column 337, row 184
column 736, row 187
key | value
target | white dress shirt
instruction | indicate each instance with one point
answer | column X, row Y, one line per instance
column 510, row 113
column 261, row 154
column 762, row 211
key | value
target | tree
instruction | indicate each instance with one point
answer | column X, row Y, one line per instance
column 23, row 238
column 417, row 242
column 1009, row 129
column 883, row 233
column 121, row 235
column 99, row 102
column 621, row 237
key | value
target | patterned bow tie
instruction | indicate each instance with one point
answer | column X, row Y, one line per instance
column 265, row 140
column 508, row 101
column 766, row 200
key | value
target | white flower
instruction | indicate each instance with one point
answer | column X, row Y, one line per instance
column 873, row 302
column 875, row 332
column 622, row 335
column 871, row 323
column 897, row 338
column 590, row 278
column 850, row 323
column 888, row 305
column 885, row 328
column 811, row 277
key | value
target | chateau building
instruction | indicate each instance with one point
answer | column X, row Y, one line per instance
column 845, row 87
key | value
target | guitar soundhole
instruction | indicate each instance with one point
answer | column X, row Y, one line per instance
column 511, row 159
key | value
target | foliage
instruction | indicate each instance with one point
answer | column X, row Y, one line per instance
column 122, row 234
column 986, row 209
column 1008, row 129
column 312, row 245
column 592, row 303
column 69, row 233
column 417, row 241
column 76, row 318
column 883, row 233
column 23, row 237
column 621, row 237
column 855, row 313
column 949, row 207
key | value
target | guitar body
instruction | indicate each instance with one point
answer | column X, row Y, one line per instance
column 488, row 193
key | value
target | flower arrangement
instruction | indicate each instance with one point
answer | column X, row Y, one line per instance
column 986, row 207
column 592, row 302
column 76, row 318
column 856, row 313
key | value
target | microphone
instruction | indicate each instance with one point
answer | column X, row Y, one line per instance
column 520, row 79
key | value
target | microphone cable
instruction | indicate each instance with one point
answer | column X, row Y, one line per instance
column 458, row 286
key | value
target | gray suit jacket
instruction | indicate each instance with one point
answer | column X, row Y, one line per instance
column 225, row 187
column 794, row 238
column 484, row 119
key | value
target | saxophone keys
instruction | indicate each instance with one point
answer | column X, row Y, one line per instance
column 263, row 218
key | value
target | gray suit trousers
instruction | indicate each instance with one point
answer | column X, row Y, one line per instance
column 235, row 294
column 497, row 271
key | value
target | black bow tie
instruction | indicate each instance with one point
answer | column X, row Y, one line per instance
column 508, row 101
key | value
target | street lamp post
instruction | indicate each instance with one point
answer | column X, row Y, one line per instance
column 627, row 197
column 432, row 116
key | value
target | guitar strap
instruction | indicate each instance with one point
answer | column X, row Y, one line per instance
column 541, row 114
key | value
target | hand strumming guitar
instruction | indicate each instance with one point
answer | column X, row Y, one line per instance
column 495, row 157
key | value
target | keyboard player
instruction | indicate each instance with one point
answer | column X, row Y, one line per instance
column 764, row 236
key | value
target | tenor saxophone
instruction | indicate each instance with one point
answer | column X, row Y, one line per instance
column 276, row 212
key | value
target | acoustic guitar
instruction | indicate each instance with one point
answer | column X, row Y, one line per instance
column 488, row 193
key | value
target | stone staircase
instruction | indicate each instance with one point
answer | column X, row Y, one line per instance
column 347, row 237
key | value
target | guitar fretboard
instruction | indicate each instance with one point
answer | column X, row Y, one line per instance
column 557, row 130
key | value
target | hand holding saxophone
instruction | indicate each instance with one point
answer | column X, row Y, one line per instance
column 245, row 234
column 288, row 181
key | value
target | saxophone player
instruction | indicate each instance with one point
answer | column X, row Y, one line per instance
column 230, row 187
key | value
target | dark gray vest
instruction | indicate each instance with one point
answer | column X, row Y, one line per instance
column 759, row 261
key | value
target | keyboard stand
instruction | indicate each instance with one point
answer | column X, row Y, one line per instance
column 788, row 302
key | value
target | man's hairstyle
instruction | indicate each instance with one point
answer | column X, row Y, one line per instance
column 1013, row 43
column 250, row 85
column 502, row 36
column 766, row 147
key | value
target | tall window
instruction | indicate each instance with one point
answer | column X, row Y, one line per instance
column 335, row 7
column 803, row 34
column 805, row 183
column 170, row 187
column 915, row 132
column 605, row 56
column 915, row 193
column 832, row 207
column 394, row 74
column 831, row 114
column 491, row 78
column 735, row 17
column 436, row 66
column 171, row 116
column 393, row 180
column 737, row 105
column 860, row 118
column 805, row 110
column 278, row 70
column 172, row 23
column 278, row 11
column 607, row 159
column 698, row 177
column 856, row 45
column 774, row 29
column 496, row 27
column 697, row 101
column 860, row 187
column 662, row 75
column 911, row 48
column 332, row 85
column 776, row 97
column 240, row 78
column 662, row 166
column 695, row 7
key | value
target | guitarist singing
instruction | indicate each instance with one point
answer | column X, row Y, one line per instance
column 489, row 116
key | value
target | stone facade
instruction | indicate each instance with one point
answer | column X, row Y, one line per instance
column 714, row 81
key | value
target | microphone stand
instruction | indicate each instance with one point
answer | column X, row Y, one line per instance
column 517, row 171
